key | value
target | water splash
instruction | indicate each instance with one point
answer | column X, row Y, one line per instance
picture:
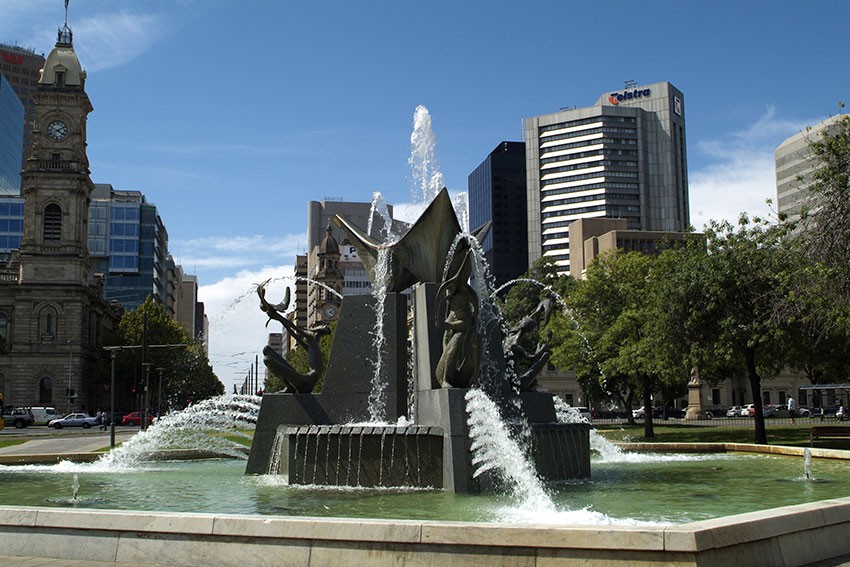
column 201, row 427
column 807, row 464
column 377, row 395
column 427, row 179
column 460, row 202
column 493, row 449
column 76, row 486
column 380, row 210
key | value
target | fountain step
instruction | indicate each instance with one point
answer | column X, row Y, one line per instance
column 359, row 455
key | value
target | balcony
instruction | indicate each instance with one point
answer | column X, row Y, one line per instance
column 59, row 165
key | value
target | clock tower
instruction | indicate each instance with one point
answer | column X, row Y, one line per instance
column 55, row 181
column 328, row 274
column 53, row 318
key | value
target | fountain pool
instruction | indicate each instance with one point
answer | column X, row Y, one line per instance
column 640, row 489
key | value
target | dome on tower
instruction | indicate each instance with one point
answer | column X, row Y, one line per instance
column 329, row 245
column 62, row 68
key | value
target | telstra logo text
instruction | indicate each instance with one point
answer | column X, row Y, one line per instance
column 616, row 98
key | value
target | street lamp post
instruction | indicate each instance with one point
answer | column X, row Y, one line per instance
column 113, row 353
column 70, row 363
column 159, row 395
column 146, row 398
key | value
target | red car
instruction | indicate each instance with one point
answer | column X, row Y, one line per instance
column 135, row 418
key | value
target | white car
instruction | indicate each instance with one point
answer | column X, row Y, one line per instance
column 73, row 420
column 734, row 411
column 748, row 410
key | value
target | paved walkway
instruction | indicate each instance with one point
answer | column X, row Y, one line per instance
column 29, row 561
column 61, row 444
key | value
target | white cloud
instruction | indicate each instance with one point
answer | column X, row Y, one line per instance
column 237, row 331
column 111, row 40
column 740, row 174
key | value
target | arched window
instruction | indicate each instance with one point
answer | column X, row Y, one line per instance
column 45, row 391
column 52, row 222
column 47, row 324
column 4, row 333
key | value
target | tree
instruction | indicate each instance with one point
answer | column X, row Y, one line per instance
column 717, row 306
column 826, row 234
column 152, row 337
column 608, row 329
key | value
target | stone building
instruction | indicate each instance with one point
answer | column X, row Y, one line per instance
column 53, row 317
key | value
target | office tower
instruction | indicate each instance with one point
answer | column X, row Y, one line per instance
column 623, row 157
column 129, row 241
column 11, row 139
column 794, row 166
column 22, row 68
column 497, row 194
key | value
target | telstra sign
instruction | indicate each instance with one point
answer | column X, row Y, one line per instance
column 617, row 98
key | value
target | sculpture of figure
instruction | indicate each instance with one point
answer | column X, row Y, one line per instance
column 308, row 339
column 531, row 364
column 461, row 358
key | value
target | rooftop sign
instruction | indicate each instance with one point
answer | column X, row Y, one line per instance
column 617, row 98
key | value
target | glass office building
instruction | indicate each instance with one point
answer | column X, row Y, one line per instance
column 11, row 139
column 624, row 157
column 129, row 243
column 497, row 194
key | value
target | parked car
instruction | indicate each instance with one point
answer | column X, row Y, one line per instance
column 748, row 410
column 43, row 414
column 19, row 417
column 135, row 418
column 734, row 411
column 772, row 410
column 73, row 420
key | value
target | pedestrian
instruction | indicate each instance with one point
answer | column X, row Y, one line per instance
column 792, row 409
column 98, row 419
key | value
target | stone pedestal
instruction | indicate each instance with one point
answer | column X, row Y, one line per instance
column 695, row 408
column 348, row 378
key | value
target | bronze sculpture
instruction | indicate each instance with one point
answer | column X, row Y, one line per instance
column 308, row 339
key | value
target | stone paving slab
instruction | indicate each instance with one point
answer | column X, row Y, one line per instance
column 31, row 561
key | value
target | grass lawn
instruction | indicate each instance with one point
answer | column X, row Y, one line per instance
column 11, row 442
column 791, row 435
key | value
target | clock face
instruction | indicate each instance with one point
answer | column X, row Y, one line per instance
column 330, row 311
column 57, row 130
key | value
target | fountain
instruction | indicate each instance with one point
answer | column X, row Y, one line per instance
column 350, row 435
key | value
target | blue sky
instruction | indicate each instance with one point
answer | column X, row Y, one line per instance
column 230, row 115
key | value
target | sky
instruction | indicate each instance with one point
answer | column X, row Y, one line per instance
column 230, row 115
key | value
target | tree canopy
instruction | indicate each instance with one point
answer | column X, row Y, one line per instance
column 156, row 347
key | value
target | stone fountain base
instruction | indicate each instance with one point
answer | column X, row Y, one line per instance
column 437, row 455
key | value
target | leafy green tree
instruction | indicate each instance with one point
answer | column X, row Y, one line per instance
column 827, row 223
column 608, row 329
column 150, row 336
column 717, row 306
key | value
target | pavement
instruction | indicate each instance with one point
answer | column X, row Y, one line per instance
column 64, row 443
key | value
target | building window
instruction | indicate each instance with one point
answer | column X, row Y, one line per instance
column 60, row 79
column 52, row 222
column 45, row 391
column 47, row 324
column 715, row 396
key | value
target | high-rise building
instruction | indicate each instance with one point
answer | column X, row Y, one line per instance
column 497, row 194
column 11, row 139
column 22, row 67
column 623, row 157
column 130, row 244
column 794, row 166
